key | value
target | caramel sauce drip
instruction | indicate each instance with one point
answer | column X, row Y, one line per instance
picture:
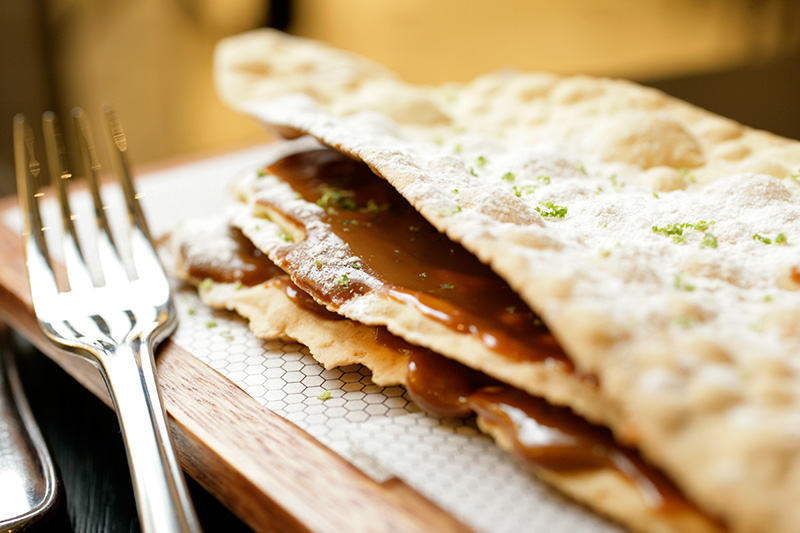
column 249, row 266
column 246, row 264
column 417, row 264
column 302, row 299
column 545, row 436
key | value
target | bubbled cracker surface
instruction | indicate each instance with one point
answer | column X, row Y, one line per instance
column 696, row 346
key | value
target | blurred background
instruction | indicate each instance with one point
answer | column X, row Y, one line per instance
column 152, row 59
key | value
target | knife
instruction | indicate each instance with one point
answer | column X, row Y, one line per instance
column 28, row 483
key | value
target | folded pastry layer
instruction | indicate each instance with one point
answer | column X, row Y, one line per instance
column 582, row 460
column 234, row 275
column 658, row 242
column 347, row 238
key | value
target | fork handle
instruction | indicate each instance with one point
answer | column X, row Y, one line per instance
column 162, row 498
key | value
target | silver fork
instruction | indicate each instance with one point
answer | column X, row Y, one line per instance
column 113, row 314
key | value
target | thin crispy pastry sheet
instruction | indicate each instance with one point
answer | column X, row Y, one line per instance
column 271, row 314
column 659, row 242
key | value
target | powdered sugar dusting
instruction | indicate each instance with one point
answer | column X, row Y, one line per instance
column 208, row 242
column 665, row 264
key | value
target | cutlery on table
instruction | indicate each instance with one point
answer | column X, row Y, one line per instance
column 113, row 314
column 28, row 483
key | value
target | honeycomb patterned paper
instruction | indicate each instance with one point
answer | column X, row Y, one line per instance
column 377, row 429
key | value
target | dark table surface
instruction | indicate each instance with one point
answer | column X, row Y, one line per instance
column 84, row 440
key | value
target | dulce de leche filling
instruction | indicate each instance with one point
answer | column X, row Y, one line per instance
column 547, row 437
column 415, row 263
column 233, row 260
column 542, row 435
column 236, row 260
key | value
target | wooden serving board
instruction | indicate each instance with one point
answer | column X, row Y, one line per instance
column 264, row 468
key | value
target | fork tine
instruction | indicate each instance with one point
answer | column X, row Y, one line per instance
column 118, row 147
column 77, row 270
column 144, row 254
column 113, row 269
column 40, row 272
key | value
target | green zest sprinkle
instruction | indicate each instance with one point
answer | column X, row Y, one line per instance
column 605, row 253
column 451, row 211
column 472, row 171
column 227, row 335
column 211, row 324
column 618, row 185
column 423, row 275
column 333, row 198
column 510, row 309
column 373, row 207
column 780, row 239
column 414, row 228
column 458, row 148
column 688, row 175
column 482, row 161
column 551, row 210
column 191, row 310
column 318, row 263
column 357, row 266
column 326, row 395
column 238, row 286
column 509, row 176
column 544, row 179
column 447, row 286
column 261, row 173
column 682, row 285
column 285, row 237
column 768, row 298
column 206, row 284
column 581, row 168
column 709, row 241
column 343, row 281
column 684, row 321
column 655, row 194
column 676, row 230
column 523, row 189
column 455, row 191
